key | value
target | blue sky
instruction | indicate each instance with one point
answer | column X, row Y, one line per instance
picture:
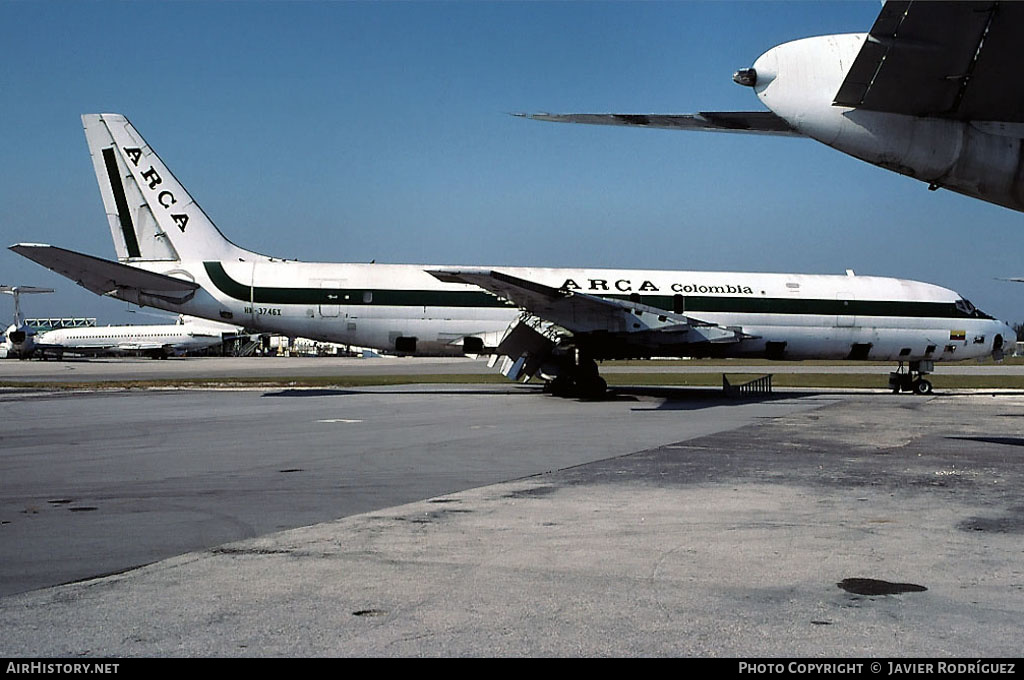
column 360, row 131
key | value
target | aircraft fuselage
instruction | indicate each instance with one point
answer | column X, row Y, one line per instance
column 402, row 307
column 798, row 81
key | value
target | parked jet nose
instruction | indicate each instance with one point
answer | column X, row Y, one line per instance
column 1004, row 339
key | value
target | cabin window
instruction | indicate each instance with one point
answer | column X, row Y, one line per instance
column 929, row 349
column 967, row 309
column 367, row 296
column 905, row 351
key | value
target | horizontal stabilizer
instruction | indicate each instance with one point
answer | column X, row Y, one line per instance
column 11, row 290
column 749, row 122
column 104, row 277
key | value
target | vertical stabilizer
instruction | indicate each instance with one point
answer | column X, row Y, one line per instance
column 16, row 291
column 150, row 214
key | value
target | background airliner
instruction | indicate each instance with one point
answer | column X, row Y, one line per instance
column 547, row 322
column 158, row 341
column 19, row 338
column 931, row 92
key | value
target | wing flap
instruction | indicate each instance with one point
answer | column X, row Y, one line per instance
column 947, row 59
column 750, row 122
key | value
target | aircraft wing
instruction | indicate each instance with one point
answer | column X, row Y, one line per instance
column 105, row 277
column 142, row 346
column 947, row 59
column 750, row 122
column 91, row 350
column 630, row 322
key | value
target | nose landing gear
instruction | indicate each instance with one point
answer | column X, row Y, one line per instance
column 902, row 380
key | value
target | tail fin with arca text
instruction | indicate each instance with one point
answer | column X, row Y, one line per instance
column 151, row 215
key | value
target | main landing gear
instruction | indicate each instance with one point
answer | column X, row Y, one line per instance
column 907, row 381
column 578, row 379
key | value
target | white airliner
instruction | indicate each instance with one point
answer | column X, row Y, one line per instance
column 19, row 338
column 931, row 92
column 552, row 323
column 153, row 340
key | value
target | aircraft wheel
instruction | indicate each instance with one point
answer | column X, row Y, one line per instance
column 588, row 369
column 593, row 388
column 922, row 386
column 562, row 386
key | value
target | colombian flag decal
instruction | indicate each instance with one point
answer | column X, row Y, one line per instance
column 958, row 335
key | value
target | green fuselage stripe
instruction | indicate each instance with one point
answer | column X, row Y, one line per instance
column 694, row 304
column 348, row 296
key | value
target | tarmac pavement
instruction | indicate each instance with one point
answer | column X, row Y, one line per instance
column 837, row 525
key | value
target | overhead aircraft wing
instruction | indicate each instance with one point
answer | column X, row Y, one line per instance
column 105, row 277
column 750, row 122
column 581, row 313
column 948, row 59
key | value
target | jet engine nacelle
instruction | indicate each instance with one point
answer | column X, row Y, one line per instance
column 799, row 80
column 19, row 342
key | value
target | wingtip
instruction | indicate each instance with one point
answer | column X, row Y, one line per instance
column 539, row 115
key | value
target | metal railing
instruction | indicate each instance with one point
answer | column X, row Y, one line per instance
column 762, row 385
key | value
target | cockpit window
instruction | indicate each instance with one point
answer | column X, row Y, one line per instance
column 967, row 309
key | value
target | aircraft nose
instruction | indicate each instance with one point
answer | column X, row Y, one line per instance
column 1004, row 340
column 1009, row 335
